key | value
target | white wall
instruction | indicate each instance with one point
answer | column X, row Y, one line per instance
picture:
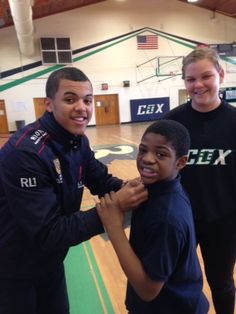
column 95, row 23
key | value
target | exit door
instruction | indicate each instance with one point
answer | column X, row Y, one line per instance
column 106, row 109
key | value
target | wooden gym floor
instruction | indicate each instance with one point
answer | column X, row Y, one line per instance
column 99, row 273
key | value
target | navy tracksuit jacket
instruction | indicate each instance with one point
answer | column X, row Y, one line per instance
column 43, row 171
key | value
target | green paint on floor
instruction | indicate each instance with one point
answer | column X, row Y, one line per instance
column 86, row 289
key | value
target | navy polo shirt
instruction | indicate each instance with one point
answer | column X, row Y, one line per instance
column 163, row 237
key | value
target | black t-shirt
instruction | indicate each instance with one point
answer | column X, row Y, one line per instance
column 210, row 175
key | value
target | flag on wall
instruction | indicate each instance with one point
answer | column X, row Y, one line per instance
column 147, row 42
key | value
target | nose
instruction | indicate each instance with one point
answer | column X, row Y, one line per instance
column 79, row 105
column 198, row 83
column 149, row 158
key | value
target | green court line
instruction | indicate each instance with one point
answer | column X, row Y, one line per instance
column 80, row 268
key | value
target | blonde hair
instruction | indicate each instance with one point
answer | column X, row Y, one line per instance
column 200, row 54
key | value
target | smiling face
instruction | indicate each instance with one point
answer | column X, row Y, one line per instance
column 156, row 160
column 202, row 81
column 72, row 105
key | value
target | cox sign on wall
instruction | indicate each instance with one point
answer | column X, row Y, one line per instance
column 148, row 108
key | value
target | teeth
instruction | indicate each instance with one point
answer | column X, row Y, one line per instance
column 199, row 93
column 147, row 170
column 79, row 119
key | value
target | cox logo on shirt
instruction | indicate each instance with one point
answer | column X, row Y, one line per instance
column 149, row 108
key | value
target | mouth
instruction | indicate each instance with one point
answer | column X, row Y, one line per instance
column 79, row 120
column 200, row 93
column 147, row 172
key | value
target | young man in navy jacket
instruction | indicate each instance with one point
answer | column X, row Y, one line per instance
column 43, row 170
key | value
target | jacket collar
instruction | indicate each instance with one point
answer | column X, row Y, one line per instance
column 58, row 133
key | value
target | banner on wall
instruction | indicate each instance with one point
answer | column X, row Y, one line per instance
column 228, row 94
column 149, row 109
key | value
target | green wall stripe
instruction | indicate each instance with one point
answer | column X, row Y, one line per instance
column 76, row 59
column 175, row 40
column 103, row 48
column 128, row 37
column 29, row 77
column 116, row 42
column 228, row 59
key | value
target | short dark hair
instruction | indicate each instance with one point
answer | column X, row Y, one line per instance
column 174, row 132
column 67, row 73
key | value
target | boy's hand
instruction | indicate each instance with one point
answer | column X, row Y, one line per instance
column 132, row 194
column 110, row 212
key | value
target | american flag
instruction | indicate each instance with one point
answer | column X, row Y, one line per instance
column 147, row 42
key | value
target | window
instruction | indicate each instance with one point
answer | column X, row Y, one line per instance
column 56, row 50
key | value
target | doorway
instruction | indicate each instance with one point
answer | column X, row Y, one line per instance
column 107, row 109
column 3, row 118
column 39, row 107
column 183, row 96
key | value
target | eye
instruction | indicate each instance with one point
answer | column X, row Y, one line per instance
column 69, row 100
column 190, row 80
column 88, row 101
column 141, row 150
column 160, row 155
column 207, row 77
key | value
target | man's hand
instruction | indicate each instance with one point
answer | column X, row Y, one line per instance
column 132, row 194
column 110, row 212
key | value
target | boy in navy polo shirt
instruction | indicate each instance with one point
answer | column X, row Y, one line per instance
column 160, row 260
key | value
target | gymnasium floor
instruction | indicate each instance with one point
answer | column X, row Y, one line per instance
column 96, row 283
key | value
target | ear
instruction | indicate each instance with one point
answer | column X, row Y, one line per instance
column 181, row 162
column 222, row 75
column 48, row 104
